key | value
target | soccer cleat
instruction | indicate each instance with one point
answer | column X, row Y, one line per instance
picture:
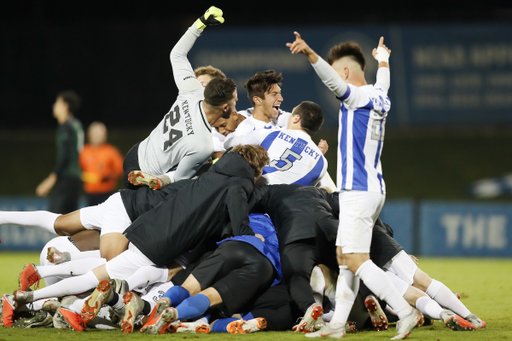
column 377, row 315
column 455, row 322
column 133, row 308
column 7, row 302
column 307, row 324
column 39, row 319
column 57, row 257
column 249, row 326
column 28, row 277
column 328, row 331
column 189, row 327
column 320, row 323
column 407, row 324
column 66, row 318
column 162, row 303
column 51, row 306
column 475, row 321
column 103, row 293
column 22, row 297
column 161, row 323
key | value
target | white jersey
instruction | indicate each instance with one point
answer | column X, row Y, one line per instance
column 183, row 139
column 219, row 139
column 294, row 157
column 362, row 117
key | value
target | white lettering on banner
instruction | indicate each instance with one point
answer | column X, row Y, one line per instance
column 481, row 231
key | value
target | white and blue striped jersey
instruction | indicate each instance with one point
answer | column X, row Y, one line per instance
column 362, row 120
column 362, row 117
column 294, row 157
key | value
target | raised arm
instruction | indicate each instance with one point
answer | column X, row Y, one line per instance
column 326, row 73
column 181, row 67
column 381, row 54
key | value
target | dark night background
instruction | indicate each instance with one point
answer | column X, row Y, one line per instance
column 115, row 53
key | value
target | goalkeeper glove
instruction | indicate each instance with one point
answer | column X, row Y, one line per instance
column 213, row 16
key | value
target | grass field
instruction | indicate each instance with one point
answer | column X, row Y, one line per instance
column 484, row 285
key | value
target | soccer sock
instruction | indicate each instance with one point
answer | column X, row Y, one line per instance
column 177, row 294
column 40, row 220
column 446, row 298
column 346, row 291
column 147, row 275
column 84, row 254
column 317, row 282
column 72, row 268
column 68, row 286
column 221, row 326
column 429, row 307
column 192, row 307
column 380, row 284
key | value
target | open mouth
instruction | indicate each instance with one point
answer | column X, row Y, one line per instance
column 275, row 108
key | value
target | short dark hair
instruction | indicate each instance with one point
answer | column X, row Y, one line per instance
column 311, row 117
column 72, row 99
column 210, row 71
column 255, row 155
column 219, row 91
column 349, row 49
column 261, row 83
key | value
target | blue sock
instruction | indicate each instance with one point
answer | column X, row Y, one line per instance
column 221, row 326
column 177, row 294
column 248, row 316
column 194, row 306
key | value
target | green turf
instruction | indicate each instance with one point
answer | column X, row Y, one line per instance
column 484, row 285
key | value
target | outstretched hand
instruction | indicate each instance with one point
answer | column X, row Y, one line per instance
column 300, row 46
column 381, row 53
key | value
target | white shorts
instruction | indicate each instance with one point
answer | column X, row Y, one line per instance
column 109, row 216
column 403, row 266
column 398, row 283
column 358, row 212
column 125, row 264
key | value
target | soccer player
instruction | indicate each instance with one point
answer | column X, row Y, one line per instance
column 183, row 139
column 361, row 134
column 294, row 157
column 64, row 182
column 197, row 212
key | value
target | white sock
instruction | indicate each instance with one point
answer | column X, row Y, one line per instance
column 446, row 298
column 85, row 254
column 346, row 290
column 40, row 220
column 77, row 305
column 68, row 286
column 380, row 284
column 72, row 268
column 429, row 307
column 147, row 275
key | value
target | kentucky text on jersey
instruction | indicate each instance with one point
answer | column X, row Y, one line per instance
column 291, row 140
column 188, row 120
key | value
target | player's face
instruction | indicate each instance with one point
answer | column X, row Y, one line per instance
column 60, row 108
column 272, row 102
column 232, row 104
column 204, row 79
column 227, row 126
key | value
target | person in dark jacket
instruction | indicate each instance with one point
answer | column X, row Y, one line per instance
column 213, row 205
column 303, row 218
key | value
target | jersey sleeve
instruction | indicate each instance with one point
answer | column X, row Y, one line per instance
column 184, row 76
column 383, row 80
column 188, row 165
column 331, row 78
column 236, row 203
column 255, row 137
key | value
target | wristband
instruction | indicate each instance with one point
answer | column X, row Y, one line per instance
column 382, row 55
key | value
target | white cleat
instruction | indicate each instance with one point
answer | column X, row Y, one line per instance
column 328, row 331
column 407, row 324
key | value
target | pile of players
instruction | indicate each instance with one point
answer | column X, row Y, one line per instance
column 230, row 222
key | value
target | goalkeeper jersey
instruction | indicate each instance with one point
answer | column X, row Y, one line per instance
column 182, row 140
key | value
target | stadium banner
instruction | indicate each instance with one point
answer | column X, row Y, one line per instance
column 441, row 75
column 399, row 214
column 17, row 238
column 465, row 229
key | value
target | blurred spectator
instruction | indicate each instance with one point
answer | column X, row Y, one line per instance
column 102, row 165
column 64, row 182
